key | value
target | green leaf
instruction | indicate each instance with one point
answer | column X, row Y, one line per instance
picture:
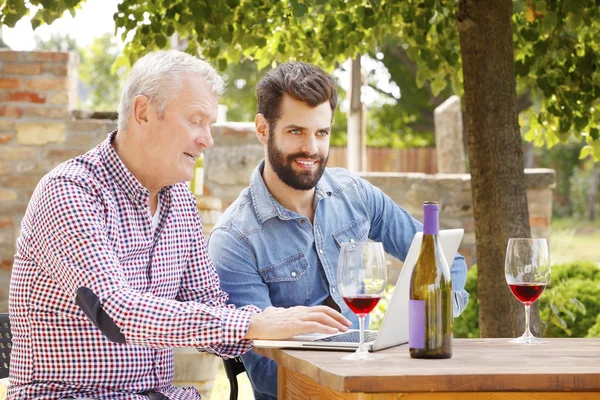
column 121, row 61
column 222, row 64
column 160, row 40
column 35, row 23
column 298, row 9
column 574, row 23
column 549, row 23
column 585, row 152
column 579, row 304
column 170, row 30
column 262, row 63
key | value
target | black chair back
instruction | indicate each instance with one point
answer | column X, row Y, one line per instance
column 233, row 367
column 5, row 345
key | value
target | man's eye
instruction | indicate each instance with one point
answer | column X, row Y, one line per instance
column 322, row 133
column 295, row 131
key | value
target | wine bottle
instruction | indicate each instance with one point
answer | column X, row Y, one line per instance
column 196, row 185
column 430, row 303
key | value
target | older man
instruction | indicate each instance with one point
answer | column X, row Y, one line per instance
column 112, row 270
column 278, row 243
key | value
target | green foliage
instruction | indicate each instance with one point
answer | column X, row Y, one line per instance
column 240, row 97
column 568, row 307
column 96, row 71
column 557, row 43
column 579, row 189
column 467, row 324
column 564, row 159
column 594, row 331
column 58, row 42
column 376, row 316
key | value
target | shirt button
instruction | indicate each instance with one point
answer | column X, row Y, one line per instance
column 351, row 240
column 302, row 221
column 321, row 251
column 293, row 274
column 193, row 341
column 157, row 364
column 332, row 290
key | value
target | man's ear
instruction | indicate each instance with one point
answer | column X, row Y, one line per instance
column 140, row 111
column 262, row 128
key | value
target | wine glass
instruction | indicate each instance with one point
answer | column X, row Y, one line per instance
column 527, row 272
column 362, row 279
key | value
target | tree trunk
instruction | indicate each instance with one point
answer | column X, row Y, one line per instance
column 357, row 138
column 496, row 157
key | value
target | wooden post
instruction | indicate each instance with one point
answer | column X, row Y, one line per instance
column 357, row 148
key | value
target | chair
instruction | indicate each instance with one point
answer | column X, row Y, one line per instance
column 5, row 345
column 233, row 367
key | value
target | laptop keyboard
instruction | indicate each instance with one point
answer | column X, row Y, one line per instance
column 353, row 337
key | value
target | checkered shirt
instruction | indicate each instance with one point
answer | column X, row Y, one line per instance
column 88, row 224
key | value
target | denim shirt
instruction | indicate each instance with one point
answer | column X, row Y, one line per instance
column 267, row 255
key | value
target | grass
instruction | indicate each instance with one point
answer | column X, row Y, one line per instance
column 574, row 240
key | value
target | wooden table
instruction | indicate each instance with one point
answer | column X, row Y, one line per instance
column 480, row 369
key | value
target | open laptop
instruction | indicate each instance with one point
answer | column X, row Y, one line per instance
column 394, row 327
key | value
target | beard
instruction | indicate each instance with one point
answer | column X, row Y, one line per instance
column 282, row 164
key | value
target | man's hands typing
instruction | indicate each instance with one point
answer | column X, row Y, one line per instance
column 283, row 323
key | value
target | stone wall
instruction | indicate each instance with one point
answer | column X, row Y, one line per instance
column 237, row 151
column 38, row 130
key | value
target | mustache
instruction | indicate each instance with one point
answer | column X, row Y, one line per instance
column 315, row 156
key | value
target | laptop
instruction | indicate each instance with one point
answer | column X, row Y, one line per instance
column 394, row 327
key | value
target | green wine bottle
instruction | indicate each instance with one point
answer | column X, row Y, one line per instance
column 196, row 185
column 430, row 301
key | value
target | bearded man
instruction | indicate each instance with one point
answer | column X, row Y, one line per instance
column 278, row 243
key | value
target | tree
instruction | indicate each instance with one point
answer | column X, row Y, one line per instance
column 57, row 42
column 96, row 71
column 556, row 43
column 95, row 68
column 496, row 158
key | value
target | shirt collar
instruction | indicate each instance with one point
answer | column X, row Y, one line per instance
column 120, row 174
column 266, row 206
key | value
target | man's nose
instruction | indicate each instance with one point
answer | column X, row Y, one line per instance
column 205, row 138
column 310, row 145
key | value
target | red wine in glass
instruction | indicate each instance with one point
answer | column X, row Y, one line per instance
column 362, row 305
column 361, row 281
column 527, row 293
column 527, row 272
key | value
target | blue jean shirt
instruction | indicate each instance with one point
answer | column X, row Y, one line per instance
column 267, row 255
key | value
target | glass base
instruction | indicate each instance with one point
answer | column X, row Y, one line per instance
column 362, row 356
column 528, row 339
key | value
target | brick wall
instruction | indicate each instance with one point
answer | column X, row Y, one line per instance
column 38, row 130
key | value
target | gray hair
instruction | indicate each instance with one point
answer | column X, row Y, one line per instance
column 159, row 75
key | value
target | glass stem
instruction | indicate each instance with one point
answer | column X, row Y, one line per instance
column 361, row 325
column 527, row 331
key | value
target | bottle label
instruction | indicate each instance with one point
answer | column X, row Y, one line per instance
column 416, row 324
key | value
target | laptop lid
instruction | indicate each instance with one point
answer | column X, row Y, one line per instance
column 394, row 327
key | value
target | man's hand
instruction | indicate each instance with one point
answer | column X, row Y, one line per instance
column 283, row 323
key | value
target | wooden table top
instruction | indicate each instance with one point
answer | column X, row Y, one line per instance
column 476, row 365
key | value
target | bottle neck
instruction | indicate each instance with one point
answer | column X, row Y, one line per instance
column 431, row 222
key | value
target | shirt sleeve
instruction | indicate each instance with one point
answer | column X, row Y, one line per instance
column 398, row 235
column 72, row 246
column 238, row 270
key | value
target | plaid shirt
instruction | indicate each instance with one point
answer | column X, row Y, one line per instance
column 89, row 225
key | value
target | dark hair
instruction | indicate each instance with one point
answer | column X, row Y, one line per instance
column 301, row 81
